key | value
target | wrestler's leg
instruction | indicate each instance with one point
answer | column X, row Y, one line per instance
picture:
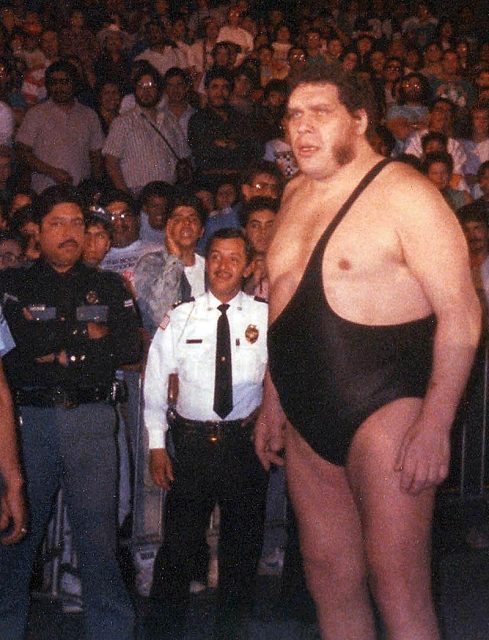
column 331, row 542
column 396, row 526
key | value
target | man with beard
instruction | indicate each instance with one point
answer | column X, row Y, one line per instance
column 73, row 326
column 60, row 140
column 412, row 112
column 367, row 376
column 222, row 140
column 141, row 147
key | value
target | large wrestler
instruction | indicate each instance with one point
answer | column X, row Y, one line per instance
column 374, row 323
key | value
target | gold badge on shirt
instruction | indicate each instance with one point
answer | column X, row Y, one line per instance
column 252, row 333
column 92, row 297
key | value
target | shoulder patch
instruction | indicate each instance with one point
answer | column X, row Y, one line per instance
column 165, row 322
column 258, row 299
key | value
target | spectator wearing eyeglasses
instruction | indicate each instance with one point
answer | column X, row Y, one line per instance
column 262, row 179
column 393, row 71
column 126, row 247
column 143, row 145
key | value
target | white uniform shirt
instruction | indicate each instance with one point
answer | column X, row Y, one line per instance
column 195, row 275
column 187, row 346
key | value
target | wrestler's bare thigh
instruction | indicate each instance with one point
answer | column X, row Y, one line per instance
column 356, row 521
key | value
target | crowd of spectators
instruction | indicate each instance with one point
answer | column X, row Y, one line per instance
column 122, row 94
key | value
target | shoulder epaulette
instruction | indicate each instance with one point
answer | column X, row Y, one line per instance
column 179, row 302
column 258, row 299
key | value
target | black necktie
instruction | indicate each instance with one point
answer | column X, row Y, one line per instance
column 223, row 387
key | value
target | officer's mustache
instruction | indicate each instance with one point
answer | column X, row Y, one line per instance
column 69, row 242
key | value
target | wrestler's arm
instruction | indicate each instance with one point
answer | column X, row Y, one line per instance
column 435, row 251
column 268, row 434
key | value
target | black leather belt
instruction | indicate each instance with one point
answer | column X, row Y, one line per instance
column 69, row 399
column 211, row 430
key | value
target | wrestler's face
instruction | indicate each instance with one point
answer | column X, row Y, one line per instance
column 323, row 133
column 226, row 265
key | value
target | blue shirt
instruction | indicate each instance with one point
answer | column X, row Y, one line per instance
column 6, row 341
column 222, row 220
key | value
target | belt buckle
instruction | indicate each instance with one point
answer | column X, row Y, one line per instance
column 213, row 435
column 62, row 398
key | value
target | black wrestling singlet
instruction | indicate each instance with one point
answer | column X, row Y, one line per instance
column 331, row 374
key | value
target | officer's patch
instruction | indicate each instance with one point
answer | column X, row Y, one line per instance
column 165, row 322
column 252, row 333
column 92, row 297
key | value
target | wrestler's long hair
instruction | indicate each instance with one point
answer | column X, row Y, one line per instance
column 355, row 94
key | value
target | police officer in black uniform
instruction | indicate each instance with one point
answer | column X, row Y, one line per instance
column 73, row 326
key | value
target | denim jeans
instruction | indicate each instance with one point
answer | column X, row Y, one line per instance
column 75, row 449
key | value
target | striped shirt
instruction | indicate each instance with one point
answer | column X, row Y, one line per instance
column 143, row 154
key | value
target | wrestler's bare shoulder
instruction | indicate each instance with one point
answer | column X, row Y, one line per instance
column 408, row 195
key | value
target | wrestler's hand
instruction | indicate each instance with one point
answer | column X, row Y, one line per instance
column 269, row 439
column 423, row 457
column 161, row 468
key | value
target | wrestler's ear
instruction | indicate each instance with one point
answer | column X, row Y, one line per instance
column 361, row 120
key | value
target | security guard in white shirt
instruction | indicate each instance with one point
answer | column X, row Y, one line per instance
column 217, row 346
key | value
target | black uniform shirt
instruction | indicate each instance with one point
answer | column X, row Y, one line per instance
column 61, row 304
